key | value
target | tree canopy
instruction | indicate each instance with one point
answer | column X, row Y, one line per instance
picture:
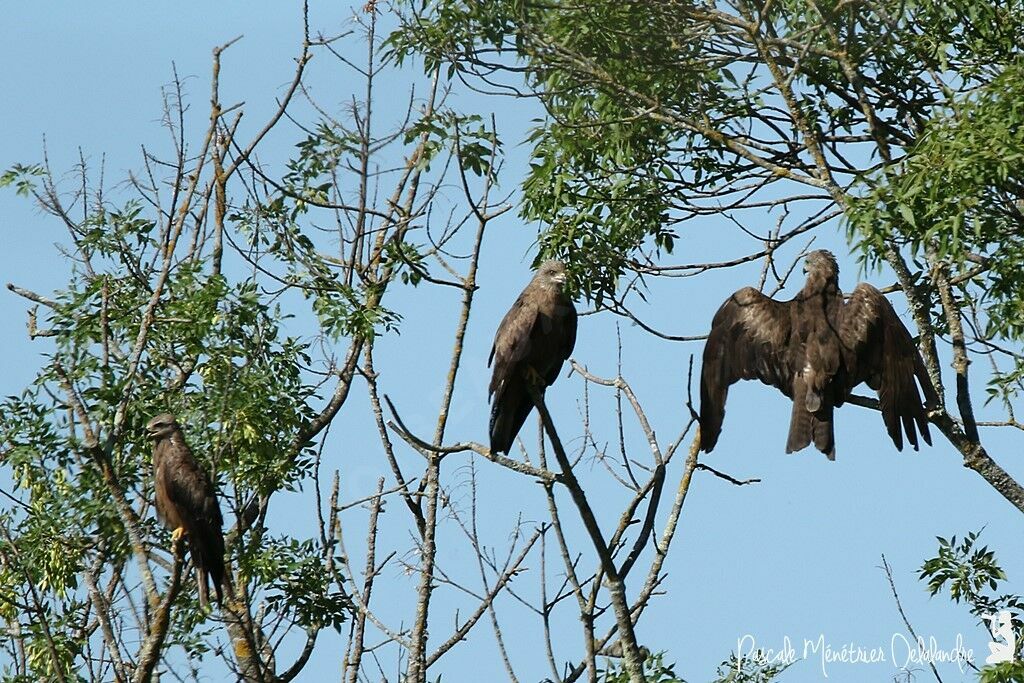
column 899, row 120
column 257, row 299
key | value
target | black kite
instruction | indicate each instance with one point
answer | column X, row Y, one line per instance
column 815, row 349
column 187, row 503
column 534, row 339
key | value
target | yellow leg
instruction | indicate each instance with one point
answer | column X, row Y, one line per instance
column 177, row 534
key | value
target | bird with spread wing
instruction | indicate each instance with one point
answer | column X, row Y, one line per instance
column 815, row 349
column 187, row 503
column 533, row 340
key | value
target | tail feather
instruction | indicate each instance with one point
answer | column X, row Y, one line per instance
column 712, row 409
column 806, row 426
column 207, row 551
column 799, row 425
column 822, row 430
column 204, row 590
column 511, row 406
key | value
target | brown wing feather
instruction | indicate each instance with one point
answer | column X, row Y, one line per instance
column 569, row 320
column 749, row 339
column 561, row 338
column 879, row 350
column 512, row 340
column 510, row 399
column 538, row 332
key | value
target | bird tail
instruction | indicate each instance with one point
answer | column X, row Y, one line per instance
column 799, row 425
column 208, row 558
column 511, row 406
column 204, row 591
column 806, row 426
column 712, row 407
column 822, row 432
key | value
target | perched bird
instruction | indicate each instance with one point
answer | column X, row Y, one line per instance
column 187, row 503
column 815, row 349
column 534, row 339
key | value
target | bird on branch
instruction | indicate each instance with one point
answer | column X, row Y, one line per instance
column 533, row 340
column 816, row 349
column 186, row 502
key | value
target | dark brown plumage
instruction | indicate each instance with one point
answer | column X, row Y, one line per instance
column 815, row 349
column 534, row 339
column 187, row 503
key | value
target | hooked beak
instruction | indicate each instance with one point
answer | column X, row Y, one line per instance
column 154, row 432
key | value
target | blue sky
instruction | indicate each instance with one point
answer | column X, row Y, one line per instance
column 796, row 555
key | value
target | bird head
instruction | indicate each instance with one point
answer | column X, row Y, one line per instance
column 162, row 425
column 823, row 262
column 551, row 274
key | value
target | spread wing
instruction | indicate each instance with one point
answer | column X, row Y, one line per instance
column 749, row 339
column 539, row 333
column 879, row 350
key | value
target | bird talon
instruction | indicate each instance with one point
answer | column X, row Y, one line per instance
column 177, row 534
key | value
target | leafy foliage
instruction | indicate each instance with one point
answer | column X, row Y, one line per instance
column 959, row 192
column 23, row 177
column 968, row 572
column 972, row 575
column 660, row 113
column 732, row 670
column 214, row 292
column 748, row 670
column 1004, row 672
column 655, row 671
column 902, row 117
column 297, row 584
